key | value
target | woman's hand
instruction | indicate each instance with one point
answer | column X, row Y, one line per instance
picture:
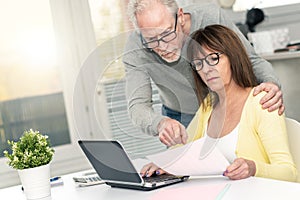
column 240, row 168
column 149, row 169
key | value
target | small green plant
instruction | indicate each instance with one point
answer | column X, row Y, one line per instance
column 32, row 150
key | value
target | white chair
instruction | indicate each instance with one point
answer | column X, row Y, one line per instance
column 293, row 131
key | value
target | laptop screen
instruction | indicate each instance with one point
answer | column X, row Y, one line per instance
column 110, row 161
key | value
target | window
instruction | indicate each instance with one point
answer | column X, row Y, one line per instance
column 31, row 93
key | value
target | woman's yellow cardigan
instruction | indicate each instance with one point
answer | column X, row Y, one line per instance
column 262, row 138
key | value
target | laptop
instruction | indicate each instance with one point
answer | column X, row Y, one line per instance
column 114, row 167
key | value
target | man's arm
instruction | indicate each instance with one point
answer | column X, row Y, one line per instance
column 138, row 87
column 139, row 99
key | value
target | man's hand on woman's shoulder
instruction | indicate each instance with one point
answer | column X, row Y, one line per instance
column 273, row 100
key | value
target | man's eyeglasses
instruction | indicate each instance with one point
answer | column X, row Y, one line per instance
column 211, row 59
column 166, row 38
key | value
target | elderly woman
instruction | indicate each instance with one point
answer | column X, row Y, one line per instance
column 251, row 138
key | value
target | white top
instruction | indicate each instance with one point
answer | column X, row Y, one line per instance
column 227, row 143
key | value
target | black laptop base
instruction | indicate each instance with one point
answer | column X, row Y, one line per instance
column 136, row 187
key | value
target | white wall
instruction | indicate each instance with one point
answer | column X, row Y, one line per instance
column 276, row 17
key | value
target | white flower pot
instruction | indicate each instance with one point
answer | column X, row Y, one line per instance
column 36, row 181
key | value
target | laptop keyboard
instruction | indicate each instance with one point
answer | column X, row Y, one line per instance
column 159, row 178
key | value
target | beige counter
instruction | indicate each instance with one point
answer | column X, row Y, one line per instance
column 281, row 56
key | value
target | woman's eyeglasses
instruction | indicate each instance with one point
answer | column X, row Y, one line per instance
column 211, row 59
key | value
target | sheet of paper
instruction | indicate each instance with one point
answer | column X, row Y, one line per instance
column 191, row 159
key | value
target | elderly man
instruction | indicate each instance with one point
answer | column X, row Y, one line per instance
column 156, row 51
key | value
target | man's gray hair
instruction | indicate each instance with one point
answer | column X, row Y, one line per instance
column 137, row 6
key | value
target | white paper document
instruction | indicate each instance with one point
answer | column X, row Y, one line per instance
column 191, row 159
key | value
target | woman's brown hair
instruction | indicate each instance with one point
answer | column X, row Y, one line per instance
column 221, row 39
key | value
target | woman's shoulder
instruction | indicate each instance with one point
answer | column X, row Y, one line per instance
column 255, row 107
column 256, row 99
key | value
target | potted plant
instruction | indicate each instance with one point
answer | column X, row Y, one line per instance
column 31, row 156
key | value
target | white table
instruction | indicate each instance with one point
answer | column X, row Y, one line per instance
column 251, row 188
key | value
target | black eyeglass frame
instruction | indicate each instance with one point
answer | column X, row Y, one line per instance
column 146, row 44
column 193, row 65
